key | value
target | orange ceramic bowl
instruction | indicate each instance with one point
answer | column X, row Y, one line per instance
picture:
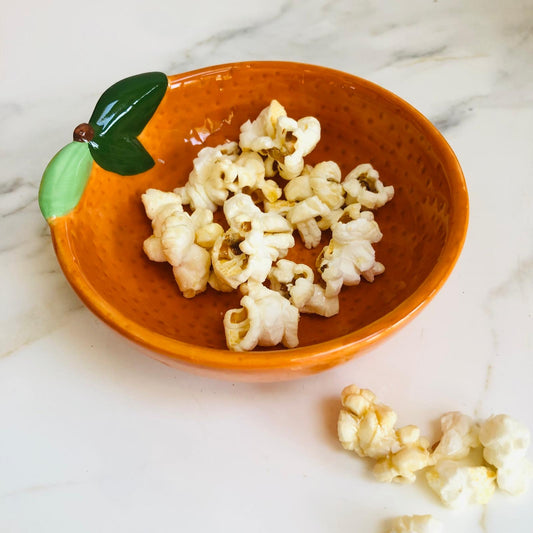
column 99, row 243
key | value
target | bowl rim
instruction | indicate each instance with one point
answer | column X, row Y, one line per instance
column 307, row 358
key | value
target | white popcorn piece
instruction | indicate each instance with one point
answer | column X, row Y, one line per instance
column 294, row 281
column 281, row 138
column 230, row 265
column 505, row 441
column 401, row 466
column 247, row 174
column 299, row 188
column 269, row 234
column 350, row 212
column 271, row 167
column 206, row 236
column 205, row 186
column 458, row 485
column 259, row 135
column 515, row 478
column 320, row 304
column 295, row 140
column 367, row 428
column 174, row 238
column 281, row 207
column 328, row 220
column 363, row 186
column 253, row 241
column 159, row 206
column 303, row 217
column 265, row 319
column 324, row 181
column 364, row 426
column 415, row 524
column 349, row 254
column 459, row 434
column 217, row 284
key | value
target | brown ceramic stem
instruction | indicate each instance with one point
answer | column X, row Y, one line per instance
column 83, row 133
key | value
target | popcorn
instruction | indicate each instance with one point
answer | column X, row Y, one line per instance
column 401, row 466
column 265, row 319
column 259, row 135
column 451, row 471
column 350, row 212
column 362, row 185
column 505, row 442
column 325, row 179
column 415, row 524
column 285, row 140
column 459, row 434
column 302, row 216
column 365, row 427
column 349, row 254
column 458, row 485
column 295, row 139
column 295, row 282
column 206, row 187
column 251, row 246
column 174, row 241
column 247, row 173
column 158, row 206
column 299, row 188
column 231, row 267
column 253, row 241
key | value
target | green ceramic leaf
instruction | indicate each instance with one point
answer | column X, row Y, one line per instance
column 64, row 180
column 125, row 156
column 120, row 116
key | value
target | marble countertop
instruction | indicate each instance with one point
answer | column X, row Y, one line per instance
column 97, row 437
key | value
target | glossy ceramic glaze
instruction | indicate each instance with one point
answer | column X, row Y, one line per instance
column 99, row 243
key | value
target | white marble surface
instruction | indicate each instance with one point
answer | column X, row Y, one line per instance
column 97, row 437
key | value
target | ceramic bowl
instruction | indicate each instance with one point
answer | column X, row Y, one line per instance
column 91, row 197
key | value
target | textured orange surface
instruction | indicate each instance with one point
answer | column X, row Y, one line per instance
column 100, row 243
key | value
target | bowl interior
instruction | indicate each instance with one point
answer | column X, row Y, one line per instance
column 359, row 124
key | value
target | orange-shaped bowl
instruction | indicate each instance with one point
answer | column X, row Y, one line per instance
column 99, row 243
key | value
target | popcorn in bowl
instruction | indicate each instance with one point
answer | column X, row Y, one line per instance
column 267, row 192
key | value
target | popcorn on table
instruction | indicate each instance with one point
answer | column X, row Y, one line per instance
column 505, row 443
column 451, row 470
column 250, row 251
column 459, row 435
column 415, row 524
column 458, row 485
column 368, row 428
